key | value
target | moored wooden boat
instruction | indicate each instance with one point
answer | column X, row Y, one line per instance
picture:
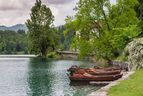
column 76, row 68
column 94, row 71
column 100, row 72
column 88, row 77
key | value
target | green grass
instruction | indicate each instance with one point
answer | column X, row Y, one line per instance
column 131, row 87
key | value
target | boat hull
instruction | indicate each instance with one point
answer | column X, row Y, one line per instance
column 95, row 78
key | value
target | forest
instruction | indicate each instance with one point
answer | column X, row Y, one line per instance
column 16, row 42
column 12, row 42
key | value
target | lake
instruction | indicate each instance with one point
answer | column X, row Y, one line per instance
column 37, row 77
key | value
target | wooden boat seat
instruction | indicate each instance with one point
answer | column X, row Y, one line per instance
column 87, row 75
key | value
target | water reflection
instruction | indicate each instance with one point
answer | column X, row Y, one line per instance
column 37, row 77
column 49, row 78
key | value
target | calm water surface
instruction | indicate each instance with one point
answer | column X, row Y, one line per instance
column 35, row 77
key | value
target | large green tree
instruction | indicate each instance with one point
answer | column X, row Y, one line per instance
column 102, row 28
column 41, row 32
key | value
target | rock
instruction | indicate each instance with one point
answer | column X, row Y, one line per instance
column 135, row 53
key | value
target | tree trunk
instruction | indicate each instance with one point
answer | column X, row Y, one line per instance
column 105, row 18
column 109, row 61
column 44, row 54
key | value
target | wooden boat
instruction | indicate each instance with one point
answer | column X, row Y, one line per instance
column 88, row 77
column 75, row 68
column 96, row 71
column 103, row 72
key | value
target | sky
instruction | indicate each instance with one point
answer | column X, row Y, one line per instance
column 17, row 11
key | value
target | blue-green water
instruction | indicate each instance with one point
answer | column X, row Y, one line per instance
column 35, row 77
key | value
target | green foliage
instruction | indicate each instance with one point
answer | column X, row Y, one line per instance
column 85, row 48
column 112, row 44
column 21, row 32
column 103, row 29
column 122, row 57
column 74, row 44
column 139, row 11
column 13, row 43
column 52, row 55
column 65, row 40
column 123, row 14
column 42, row 36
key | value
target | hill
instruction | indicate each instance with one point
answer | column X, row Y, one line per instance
column 14, row 27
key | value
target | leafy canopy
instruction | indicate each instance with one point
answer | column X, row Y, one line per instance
column 42, row 35
column 103, row 29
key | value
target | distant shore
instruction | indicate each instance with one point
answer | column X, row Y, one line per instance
column 18, row 56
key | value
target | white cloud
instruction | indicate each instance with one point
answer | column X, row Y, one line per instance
column 61, row 11
column 17, row 11
column 57, row 1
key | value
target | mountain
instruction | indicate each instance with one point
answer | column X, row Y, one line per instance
column 14, row 27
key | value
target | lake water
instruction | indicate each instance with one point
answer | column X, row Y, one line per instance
column 37, row 77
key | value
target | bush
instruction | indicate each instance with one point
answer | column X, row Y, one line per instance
column 52, row 55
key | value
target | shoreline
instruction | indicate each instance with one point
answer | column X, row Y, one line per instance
column 18, row 56
column 104, row 90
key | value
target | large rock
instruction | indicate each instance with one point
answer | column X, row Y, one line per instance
column 135, row 53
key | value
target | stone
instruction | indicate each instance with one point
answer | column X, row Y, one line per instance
column 135, row 53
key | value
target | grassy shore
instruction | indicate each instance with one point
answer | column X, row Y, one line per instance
column 131, row 87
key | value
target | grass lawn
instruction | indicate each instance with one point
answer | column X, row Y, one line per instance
column 131, row 87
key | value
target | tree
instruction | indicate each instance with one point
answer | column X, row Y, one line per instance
column 41, row 32
column 12, row 42
column 139, row 11
column 64, row 41
column 21, row 32
column 123, row 22
column 104, row 29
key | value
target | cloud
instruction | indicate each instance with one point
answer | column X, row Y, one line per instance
column 62, row 11
column 18, row 11
column 57, row 1
column 7, row 5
